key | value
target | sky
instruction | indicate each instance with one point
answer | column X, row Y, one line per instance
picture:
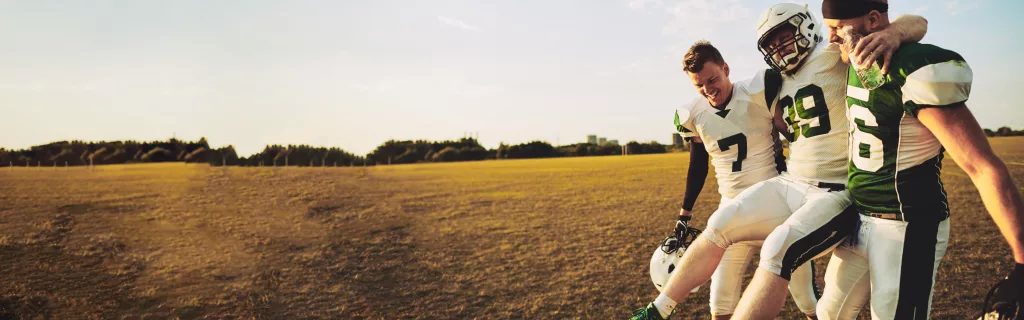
column 354, row 74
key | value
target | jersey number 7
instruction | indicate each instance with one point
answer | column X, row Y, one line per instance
column 740, row 141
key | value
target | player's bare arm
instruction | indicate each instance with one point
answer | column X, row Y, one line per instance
column 962, row 137
column 881, row 45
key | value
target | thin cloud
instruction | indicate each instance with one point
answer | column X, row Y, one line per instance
column 693, row 15
column 457, row 23
column 379, row 87
column 644, row 4
column 473, row 90
column 643, row 65
column 921, row 9
column 954, row 7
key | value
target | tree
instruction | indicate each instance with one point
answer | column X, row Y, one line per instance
column 447, row 154
column 409, row 151
column 1004, row 132
column 96, row 156
column 158, row 154
column 472, row 153
column 199, row 155
column 533, row 149
column 634, row 147
column 120, row 155
column 654, row 147
column 282, row 157
column 409, row 156
column 608, row 149
column 502, row 151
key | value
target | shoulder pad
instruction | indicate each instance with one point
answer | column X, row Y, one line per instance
column 913, row 56
column 685, row 114
column 751, row 85
column 686, row 111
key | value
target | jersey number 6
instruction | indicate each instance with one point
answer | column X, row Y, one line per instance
column 868, row 155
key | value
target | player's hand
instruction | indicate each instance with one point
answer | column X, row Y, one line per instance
column 877, row 45
column 682, row 226
column 1009, row 299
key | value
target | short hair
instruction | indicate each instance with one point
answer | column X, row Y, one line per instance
column 699, row 54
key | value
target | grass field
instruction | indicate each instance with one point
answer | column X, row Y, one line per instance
column 521, row 239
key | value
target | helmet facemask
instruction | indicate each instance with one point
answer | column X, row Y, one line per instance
column 802, row 46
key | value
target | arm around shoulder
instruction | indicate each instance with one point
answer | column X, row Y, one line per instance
column 909, row 27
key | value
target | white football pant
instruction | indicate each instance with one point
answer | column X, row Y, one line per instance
column 727, row 281
column 892, row 263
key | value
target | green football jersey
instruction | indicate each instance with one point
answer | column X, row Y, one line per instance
column 894, row 160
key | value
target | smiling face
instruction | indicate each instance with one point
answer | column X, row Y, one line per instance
column 712, row 82
column 708, row 72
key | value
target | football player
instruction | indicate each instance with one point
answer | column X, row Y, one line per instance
column 898, row 134
column 801, row 213
column 734, row 124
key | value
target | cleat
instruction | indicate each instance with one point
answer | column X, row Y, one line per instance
column 649, row 313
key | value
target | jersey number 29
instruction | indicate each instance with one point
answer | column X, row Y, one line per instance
column 808, row 113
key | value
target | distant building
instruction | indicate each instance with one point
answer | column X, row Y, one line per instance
column 601, row 140
column 613, row 142
column 677, row 139
column 592, row 139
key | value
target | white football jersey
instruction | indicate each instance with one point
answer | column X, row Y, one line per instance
column 739, row 138
column 814, row 100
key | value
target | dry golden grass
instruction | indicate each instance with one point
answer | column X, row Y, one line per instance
column 521, row 239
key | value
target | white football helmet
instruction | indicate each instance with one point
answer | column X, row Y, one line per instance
column 807, row 35
column 994, row 309
column 666, row 257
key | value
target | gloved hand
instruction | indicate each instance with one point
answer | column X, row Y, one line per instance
column 682, row 226
column 684, row 233
column 1009, row 297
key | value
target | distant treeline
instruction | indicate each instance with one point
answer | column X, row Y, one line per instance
column 408, row 151
column 77, row 153
column 1004, row 132
column 298, row 155
column 540, row 149
column 468, row 149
